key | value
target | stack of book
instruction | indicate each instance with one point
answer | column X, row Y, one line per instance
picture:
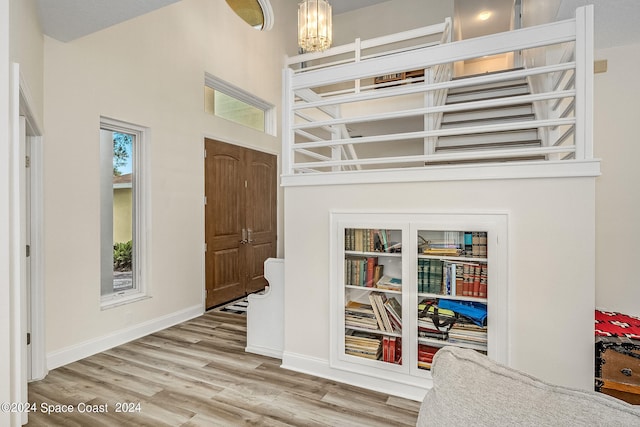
column 425, row 355
column 426, row 329
column 363, row 345
column 443, row 251
column 389, row 283
column 358, row 315
column 468, row 333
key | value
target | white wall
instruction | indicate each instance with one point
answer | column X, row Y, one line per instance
column 5, row 210
column 617, row 143
column 148, row 71
column 551, row 264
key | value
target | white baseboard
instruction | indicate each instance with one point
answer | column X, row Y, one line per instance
column 321, row 368
column 264, row 351
column 84, row 349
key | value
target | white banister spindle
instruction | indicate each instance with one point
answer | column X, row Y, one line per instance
column 429, row 122
column 584, row 83
column 358, row 57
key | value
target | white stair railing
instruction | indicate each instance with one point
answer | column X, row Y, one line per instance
column 342, row 93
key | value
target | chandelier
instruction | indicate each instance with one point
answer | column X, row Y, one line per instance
column 314, row 25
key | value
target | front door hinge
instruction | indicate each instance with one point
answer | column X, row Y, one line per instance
column 205, row 200
column 28, row 251
column 205, row 247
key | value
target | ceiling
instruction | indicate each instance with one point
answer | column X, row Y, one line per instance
column 615, row 21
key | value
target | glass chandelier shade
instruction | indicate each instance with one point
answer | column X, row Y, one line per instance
column 314, row 25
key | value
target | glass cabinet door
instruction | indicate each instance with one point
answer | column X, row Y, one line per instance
column 452, row 285
column 373, row 286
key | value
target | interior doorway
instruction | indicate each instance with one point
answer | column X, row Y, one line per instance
column 240, row 220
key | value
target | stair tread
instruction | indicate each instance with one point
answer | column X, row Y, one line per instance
column 496, row 119
column 469, row 76
column 481, row 96
column 482, row 87
column 510, row 144
column 492, row 109
column 492, row 160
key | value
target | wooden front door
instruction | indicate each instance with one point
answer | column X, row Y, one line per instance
column 240, row 219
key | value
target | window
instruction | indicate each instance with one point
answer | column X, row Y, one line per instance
column 122, row 210
column 231, row 103
column 257, row 13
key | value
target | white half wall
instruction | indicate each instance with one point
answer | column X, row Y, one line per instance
column 551, row 265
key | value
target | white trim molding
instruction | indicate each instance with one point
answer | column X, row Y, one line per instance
column 320, row 368
column 468, row 172
column 96, row 345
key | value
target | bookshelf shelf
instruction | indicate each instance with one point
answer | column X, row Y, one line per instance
column 470, row 260
column 369, row 289
column 379, row 254
column 441, row 343
column 446, row 287
column 451, row 297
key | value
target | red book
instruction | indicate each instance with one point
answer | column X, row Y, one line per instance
column 385, row 349
column 476, row 282
column 371, row 267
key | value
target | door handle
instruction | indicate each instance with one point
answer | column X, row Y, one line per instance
column 249, row 239
column 244, row 237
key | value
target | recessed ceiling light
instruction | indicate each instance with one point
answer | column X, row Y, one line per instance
column 483, row 16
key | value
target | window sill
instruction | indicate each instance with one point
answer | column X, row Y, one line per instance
column 117, row 300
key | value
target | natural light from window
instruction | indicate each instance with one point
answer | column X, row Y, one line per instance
column 120, row 211
column 229, row 102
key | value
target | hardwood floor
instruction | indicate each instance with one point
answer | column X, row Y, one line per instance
column 198, row 374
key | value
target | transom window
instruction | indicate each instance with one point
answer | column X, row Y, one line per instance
column 232, row 103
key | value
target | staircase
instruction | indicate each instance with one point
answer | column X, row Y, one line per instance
column 474, row 117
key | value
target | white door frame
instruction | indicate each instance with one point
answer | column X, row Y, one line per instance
column 38, row 368
column 23, row 122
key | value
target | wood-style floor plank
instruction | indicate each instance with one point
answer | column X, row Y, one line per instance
column 197, row 374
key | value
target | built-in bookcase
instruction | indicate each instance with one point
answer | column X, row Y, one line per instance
column 405, row 285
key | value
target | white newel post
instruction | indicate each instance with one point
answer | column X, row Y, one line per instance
column 584, row 83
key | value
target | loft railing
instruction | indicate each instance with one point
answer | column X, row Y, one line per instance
column 377, row 105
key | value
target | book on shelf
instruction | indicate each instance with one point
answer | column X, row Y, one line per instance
column 391, row 349
column 378, row 300
column 394, row 308
column 361, row 271
column 390, row 283
column 425, row 355
column 362, row 344
column 359, row 315
column 451, row 252
column 371, row 264
column 376, row 311
column 479, row 244
column 368, row 240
